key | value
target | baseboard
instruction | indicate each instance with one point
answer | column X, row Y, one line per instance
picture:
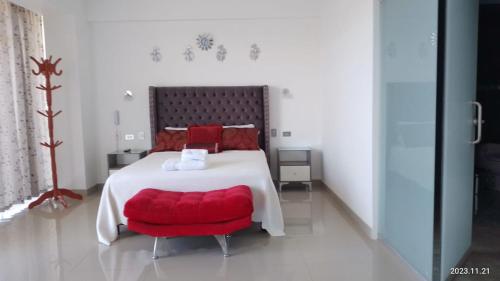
column 355, row 218
column 89, row 191
column 275, row 179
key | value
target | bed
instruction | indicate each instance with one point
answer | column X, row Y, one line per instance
column 178, row 107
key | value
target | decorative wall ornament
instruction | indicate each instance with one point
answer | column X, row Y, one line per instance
column 433, row 38
column 155, row 54
column 221, row 53
column 189, row 54
column 254, row 52
column 205, row 41
column 391, row 50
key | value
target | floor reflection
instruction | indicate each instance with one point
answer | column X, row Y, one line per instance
column 297, row 207
column 322, row 243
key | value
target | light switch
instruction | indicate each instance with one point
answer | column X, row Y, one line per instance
column 287, row 133
column 129, row 137
column 274, row 133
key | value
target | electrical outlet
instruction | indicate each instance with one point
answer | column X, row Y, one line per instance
column 274, row 133
column 140, row 135
column 287, row 133
column 129, row 137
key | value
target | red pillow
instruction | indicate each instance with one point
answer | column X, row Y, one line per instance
column 240, row 139
column 207, row 134
column 170, row 140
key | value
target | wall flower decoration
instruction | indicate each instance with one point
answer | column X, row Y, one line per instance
column 155, row 54
column 221, row 53
column 391, row 50
column 254, row 52
column 189, row 54
column 205, row 41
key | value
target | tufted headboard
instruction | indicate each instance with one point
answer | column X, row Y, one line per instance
column 238, row 105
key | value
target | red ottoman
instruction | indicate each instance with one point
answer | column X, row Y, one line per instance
column 161, row 213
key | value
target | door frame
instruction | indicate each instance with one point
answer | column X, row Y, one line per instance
column 438, row 162
column 439, row 144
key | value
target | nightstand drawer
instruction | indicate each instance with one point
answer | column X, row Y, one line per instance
column 295, row 173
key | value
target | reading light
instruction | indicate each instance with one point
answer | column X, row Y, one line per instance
column 128, row 95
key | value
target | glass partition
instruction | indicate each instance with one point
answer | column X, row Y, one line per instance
column 408, row 61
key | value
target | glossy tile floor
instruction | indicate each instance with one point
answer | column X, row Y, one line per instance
column 485, row 249
column 322, row 243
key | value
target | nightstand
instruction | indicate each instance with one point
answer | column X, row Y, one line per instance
column 294, row 165
column 120, row 159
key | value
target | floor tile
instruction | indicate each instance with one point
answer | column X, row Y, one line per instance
column 322, row 243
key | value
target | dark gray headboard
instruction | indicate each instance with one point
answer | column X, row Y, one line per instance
column 234, row 105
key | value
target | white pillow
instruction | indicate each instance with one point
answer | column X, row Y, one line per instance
column 240, row 126
column 176, row 128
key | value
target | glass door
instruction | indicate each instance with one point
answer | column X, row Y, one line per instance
column 408, row 58
column 458, row 110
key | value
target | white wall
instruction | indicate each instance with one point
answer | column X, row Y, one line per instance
column 66, row 36
column 124, row 37
column 158, row 10
column 347, row 58
column 321, row 50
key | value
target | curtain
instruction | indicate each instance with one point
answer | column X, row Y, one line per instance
column 24, row 164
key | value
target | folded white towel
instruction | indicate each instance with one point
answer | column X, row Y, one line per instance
column 191, row 165
column 170, row 164
column 174, row 164
column 194, row 154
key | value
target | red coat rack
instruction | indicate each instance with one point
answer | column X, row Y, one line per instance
column 47, row 69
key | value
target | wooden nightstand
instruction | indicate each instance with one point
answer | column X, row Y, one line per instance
column 294, row 165
column 120, row 159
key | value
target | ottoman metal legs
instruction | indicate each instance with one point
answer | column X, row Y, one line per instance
column 155, row 256
column 224, row 243
column 222, row 239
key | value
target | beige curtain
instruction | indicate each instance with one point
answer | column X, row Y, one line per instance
column 24, row 164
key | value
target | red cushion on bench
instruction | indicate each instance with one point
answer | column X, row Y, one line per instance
column 163, row 207
column 159, row 230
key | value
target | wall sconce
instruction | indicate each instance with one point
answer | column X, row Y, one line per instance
column 128, row 95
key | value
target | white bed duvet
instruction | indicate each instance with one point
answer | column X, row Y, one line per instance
column 225, row 169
